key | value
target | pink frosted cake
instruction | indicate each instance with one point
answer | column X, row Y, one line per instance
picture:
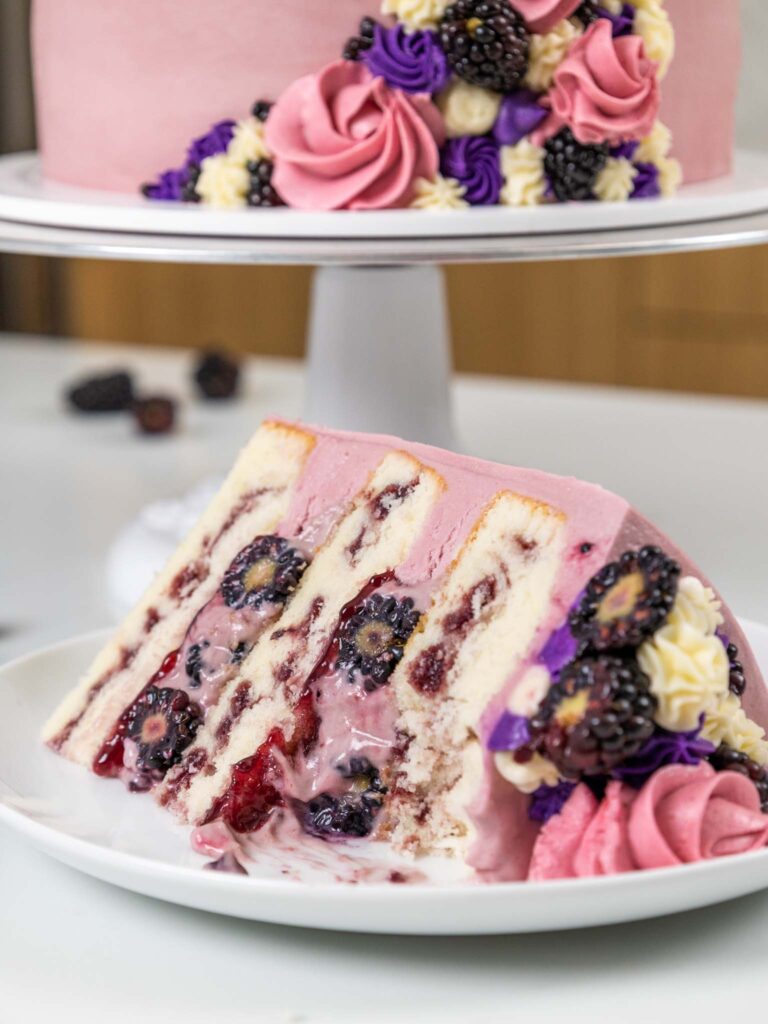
column 373, row 104
column 367, row 639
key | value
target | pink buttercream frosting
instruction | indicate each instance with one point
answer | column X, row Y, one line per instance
column 605, row 90
column 542, row 15
column 343, row 139
column 681, row 815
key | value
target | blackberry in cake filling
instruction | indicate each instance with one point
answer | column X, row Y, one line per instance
column 372, row 640
column 627, row 601
column 267, row 570
column 598, row 714
column 162, row 724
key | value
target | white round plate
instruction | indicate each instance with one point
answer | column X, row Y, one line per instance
column 101, row 829
column 25, row 197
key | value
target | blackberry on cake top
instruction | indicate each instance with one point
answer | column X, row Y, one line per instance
column 486, row 43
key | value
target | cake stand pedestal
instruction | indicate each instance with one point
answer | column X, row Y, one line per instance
column 378, row 343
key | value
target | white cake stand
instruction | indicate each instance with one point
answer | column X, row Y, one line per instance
column 378, row 343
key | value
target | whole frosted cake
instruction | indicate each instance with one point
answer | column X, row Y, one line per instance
column 367, row 639
column 374, row 104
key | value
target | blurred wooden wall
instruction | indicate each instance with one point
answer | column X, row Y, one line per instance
column 696, row 322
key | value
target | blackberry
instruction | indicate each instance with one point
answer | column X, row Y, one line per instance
column 194, row 663
column 486, row 43
column 330, row 817
column 627, row 601
column 154, row 415
column 261, row 109
column 725, row 758
column 587, row 12
column 217, row 376
column 572, row 167
column 269, row 569
column 261, row 191
column 357, row 45
column 363, row 775
column 598, row 714
column 239, row 653
column 162, row 722
column 189, row 193
column 112, row 392
column 372, row 640
column 737, row 682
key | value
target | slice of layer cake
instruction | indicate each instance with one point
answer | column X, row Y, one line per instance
column 382, row 640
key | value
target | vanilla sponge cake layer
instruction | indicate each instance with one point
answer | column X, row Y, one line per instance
column 481, row 624
column 252, row 501
column 376, row 535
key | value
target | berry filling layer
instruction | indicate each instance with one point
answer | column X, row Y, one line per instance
column 328, row 764
column 152, row 734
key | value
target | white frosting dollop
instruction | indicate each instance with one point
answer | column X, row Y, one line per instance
column 439, row 194
column 529, row 776
column 697, row 606
column 615, row 182
column 728, row 723
column 523, row 169
column 248, row 142
column 689, row 672
column 223, row 182
column 656, row 146
column 547, row 53
column 467, row 109
column 670, row 175
column 652, row 23
column 613, row 6
column 416, row 14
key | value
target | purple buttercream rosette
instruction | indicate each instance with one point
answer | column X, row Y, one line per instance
column 547, row 801
column 215, row 141
column 519, row 114
column 510, row 733
column 560, row 649
column 473, row 160
column 661, row 749
column 169, row 186
column 646, row 184
column 412, row 62
column 623, row 22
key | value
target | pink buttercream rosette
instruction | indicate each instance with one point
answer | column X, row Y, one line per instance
column 542, row 15
column 343, row 139
column 681, row 815
column 605, row 90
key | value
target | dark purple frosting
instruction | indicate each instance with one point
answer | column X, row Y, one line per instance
column 169, row 186
column 646, row 182
column 547, row 801
column 474, row 161
column 510, row 732
column 661, row 749
column 626, row 150
column 412, row 62
column 519, row 114
column 214, row 141
column 559, row 649
column 623, row 23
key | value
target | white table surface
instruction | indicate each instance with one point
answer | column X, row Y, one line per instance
column 74, row 949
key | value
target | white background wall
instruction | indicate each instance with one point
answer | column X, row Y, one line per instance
column 753, row 101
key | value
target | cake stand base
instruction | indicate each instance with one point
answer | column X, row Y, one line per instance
column 379, row 352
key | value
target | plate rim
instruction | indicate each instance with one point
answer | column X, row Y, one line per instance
column 54, row 842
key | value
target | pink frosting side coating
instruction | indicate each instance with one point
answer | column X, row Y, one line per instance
column 681, row 815
column 343, row 139
column 122, row 88
column 542, row 15
column 606, row 89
